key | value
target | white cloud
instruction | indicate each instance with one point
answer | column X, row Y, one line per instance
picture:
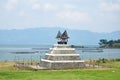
column 74, row 16
column 48, row 6
column 110, row 6
column 22, row 13
column 11, row 4
column 33, row 1
column 118, row 0
column 69, row 6
column 43, row 6
column 36, row 6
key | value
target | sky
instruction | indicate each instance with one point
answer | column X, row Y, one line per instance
column 93, row 15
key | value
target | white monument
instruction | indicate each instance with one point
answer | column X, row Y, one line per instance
column 61, row 55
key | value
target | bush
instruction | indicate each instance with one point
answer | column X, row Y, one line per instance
column 118, row 59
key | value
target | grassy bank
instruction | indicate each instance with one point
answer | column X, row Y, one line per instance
column 8, row 72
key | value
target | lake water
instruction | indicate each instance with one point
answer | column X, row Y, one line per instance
column 7, row 53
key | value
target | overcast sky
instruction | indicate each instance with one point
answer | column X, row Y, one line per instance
column 92, row 15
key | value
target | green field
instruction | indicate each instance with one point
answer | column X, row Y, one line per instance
column 8, row 72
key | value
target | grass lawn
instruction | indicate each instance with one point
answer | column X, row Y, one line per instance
column 8, row 72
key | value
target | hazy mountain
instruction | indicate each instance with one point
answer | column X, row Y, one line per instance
column 47, row 36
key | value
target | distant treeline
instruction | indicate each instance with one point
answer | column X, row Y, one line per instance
column 77, row 46
column 109, row 43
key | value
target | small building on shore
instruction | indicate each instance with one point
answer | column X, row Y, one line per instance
column 62, row 55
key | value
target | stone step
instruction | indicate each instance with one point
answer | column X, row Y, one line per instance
column 74, row 54
column 62, row 61
column 62, row 57
column 63, row 51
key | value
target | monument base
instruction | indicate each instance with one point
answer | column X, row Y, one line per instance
column 62, row 56
column 62, row 64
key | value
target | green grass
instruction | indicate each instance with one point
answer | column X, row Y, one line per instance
column 62, row 75
column 11, row 73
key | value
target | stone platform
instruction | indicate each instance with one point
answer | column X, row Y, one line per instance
column 62, row 56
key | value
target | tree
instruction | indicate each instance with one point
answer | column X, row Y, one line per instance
column 103, row 42
column 111, row 43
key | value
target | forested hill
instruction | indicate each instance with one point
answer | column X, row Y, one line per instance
column 47, row 36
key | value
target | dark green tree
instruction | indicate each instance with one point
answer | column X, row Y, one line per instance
column 103, row 42
column 111, row 42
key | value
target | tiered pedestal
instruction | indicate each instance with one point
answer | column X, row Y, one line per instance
column 62, row 56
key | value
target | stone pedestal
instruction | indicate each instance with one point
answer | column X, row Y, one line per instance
column 62, row 56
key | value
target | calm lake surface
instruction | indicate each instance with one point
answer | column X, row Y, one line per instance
column 7, row 53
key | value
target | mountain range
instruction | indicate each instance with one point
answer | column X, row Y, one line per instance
column 46, row 36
